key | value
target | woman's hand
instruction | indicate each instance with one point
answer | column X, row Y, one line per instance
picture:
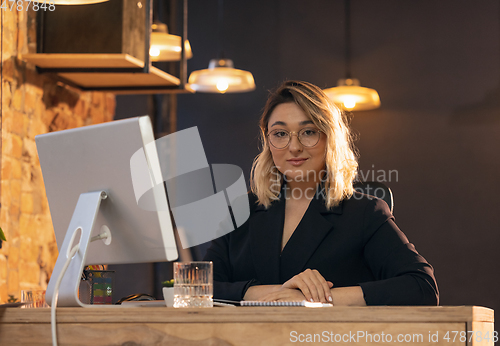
column 285, row 295
column 312, row 284
column 259, row 291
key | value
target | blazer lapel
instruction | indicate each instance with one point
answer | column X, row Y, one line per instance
column 306, row 238
column 266, row 228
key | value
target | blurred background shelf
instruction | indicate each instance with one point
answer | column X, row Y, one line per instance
column 117, row 73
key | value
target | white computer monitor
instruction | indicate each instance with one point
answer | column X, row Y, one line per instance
column 87, row 177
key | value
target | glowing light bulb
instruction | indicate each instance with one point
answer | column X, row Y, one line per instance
column 154, row 51
column 222, row 85
column 349, row 103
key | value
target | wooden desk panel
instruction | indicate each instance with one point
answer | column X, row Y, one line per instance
column 249, row 326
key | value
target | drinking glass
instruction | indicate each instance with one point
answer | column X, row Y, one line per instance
column 193, row 284
column 33, row 299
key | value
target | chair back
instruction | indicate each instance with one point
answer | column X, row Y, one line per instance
column 376, row 189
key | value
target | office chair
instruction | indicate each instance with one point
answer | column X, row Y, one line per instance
column 376, row 189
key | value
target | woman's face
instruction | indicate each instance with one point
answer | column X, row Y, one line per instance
column 296, row 161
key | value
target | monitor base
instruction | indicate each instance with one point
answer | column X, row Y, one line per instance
column 79, row 232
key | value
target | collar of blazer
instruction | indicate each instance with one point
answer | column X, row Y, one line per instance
column 317, row 202
column 274, row 266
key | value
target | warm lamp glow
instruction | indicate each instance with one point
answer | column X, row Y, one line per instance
column 222, row 85
column 154, row 51
column 166, row 47
column 221, row 77
column 76, row 2
column 350, row 96
column 349, row 102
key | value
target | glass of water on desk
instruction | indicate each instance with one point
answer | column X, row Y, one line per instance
column 193, row 284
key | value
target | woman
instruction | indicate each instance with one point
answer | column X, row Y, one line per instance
column 309, row 235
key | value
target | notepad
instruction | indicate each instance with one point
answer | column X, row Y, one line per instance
column 294, row 303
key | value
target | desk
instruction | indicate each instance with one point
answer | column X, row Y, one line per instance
column 249, row 326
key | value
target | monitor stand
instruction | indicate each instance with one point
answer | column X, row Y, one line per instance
column 79, row 231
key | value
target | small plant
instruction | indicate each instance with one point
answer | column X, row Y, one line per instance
column 168, row 283
column 2, row 237
column 12, row 299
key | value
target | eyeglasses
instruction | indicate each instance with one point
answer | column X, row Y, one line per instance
column 308, row 137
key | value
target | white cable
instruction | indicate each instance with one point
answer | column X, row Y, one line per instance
column 55, row 296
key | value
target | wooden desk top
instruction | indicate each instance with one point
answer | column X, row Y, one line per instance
column 252, row 314
column 238, row 325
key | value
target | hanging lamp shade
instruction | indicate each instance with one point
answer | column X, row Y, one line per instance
column 221, row 77
column 349, row 95
column 76, row 2
column 166, row 47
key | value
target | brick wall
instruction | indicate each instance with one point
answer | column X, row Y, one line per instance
column 32, row 104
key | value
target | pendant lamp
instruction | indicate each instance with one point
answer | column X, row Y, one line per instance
column 348, row 94
column 76, row 2
column 221, row 76
column 166, row 47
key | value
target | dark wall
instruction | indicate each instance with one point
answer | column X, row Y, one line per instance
column 436, row 67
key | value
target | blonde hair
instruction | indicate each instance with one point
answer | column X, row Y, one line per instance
column 340, row 157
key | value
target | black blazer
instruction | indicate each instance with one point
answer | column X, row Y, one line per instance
column 355, row 243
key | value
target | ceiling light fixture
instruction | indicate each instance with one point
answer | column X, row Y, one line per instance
column 348, row 94
column 166, row 47
column 221, row 76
